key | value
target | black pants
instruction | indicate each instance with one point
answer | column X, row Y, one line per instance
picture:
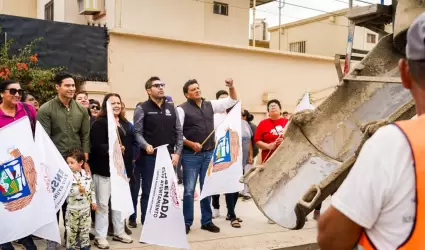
column 231, row 200
column 215, row 200
column 64, row 206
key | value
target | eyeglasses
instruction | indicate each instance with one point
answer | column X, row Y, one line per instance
column 13, row 91
column 158, row 85
column 95, row 107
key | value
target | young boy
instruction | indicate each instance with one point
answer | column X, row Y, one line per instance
column 80, row 199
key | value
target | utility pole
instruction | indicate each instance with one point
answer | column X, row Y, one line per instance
column 280, row 18
column 350, row 43
column 253, row 23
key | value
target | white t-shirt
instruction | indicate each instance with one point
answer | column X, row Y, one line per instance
column 218, row 118
column 379, row 192
column 218, row 106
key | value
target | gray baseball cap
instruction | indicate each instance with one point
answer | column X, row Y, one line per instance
column 415, row 48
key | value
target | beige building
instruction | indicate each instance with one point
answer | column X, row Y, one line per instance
column 186, row 39
column 324, row 35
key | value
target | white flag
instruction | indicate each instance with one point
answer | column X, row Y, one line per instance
column 225, row 168
column 58, row 171
column 164, row 223
column 26, row 203
column 304, row 103
column 121, row 200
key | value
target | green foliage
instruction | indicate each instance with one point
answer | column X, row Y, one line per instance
column 24, row 68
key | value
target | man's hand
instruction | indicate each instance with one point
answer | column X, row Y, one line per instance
column 122, row 148
column 87, row 168
column 196, row 147
column 149, row 149
column 229, row 82
column 175, row 159
column 93, row 207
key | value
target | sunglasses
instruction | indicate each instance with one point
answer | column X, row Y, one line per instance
column 13, row 91
column 95, row 107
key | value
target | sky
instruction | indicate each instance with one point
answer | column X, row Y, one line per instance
column 291, row 13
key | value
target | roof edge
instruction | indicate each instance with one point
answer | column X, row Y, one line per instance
column 340, row 12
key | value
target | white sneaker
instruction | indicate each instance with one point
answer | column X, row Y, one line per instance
column 101, row 243
column 216, row 213
column 271, row 222
column 124, row 238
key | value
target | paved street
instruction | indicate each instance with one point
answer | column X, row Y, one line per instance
column 255, row 233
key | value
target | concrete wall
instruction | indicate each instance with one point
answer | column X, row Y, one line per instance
column 323, row 37
column 192, row 20
column 24, row 8
column 133, row 58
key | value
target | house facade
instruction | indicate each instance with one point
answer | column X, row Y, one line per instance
column 324, row 35
column 187, row 39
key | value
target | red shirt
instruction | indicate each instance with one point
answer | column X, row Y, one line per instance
column 268, row 131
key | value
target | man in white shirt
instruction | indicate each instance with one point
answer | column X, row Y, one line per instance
column 377, row 201
column 197, row 119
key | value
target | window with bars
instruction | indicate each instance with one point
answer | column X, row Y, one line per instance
column 297, row 47
column 371, row 38
column 221, row 8
column 49, row 11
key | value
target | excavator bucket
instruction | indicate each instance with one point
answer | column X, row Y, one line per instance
column 320, row 146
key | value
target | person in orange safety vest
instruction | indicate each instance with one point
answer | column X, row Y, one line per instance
column 381, row 203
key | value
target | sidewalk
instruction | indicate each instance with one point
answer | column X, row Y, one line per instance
column 255, row 233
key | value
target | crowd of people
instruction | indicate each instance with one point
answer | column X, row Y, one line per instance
column 78, row 127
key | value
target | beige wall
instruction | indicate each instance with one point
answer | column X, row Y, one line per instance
column 58, row 8
column 322, row 37
column 186, row 19
column 134, row 58
column 24, row 8
column 232, row 29
column 191, row 20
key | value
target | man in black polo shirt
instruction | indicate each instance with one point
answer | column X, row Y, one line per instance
column 197, row 119
column 155, row 123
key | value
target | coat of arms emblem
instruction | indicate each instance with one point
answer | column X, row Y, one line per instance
column 119, row 162
column 226, row 151
column 18, row 180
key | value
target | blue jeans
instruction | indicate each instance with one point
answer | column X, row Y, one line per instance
column 26, row 241
column 147, row 172
column 195, row 165
column 135, row 187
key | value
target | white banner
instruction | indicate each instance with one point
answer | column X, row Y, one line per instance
column 304, row 103
column 225, row 168
column 26, row 203
column 164, row 223
column 121, row 200
column 58, row 171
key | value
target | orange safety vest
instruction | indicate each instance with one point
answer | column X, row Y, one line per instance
column 414, row 131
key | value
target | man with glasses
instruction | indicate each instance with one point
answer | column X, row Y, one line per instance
column 67, row 123
column 155, row 123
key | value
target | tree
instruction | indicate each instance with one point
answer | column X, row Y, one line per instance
column 24, row 68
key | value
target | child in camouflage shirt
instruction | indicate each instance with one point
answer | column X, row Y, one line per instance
column 80, row 200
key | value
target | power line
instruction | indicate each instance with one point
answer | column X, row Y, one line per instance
column 276, row 14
